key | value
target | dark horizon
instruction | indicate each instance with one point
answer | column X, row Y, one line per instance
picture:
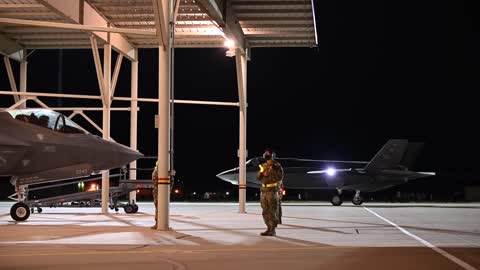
column 380, row 71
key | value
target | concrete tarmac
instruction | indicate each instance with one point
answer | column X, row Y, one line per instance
column 216, row 236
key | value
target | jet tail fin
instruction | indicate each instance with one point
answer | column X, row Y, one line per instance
column 411, row 154
column 389, row 156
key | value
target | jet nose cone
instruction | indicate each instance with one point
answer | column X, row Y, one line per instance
column 229, row 176
column 222, row 176
column 128, row 155
column 122, row 155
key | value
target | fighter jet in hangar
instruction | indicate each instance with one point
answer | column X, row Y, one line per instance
column 39, row 146
column 389, row 167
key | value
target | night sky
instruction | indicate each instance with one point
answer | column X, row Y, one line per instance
column 381, row 70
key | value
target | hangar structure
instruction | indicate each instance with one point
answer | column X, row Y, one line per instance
column 129, row 25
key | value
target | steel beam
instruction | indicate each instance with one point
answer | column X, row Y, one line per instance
column 15, row 6
column 223, row 14
column 87, row 28
column 98, row 69
column 241, row 66
column 10, row 48
column 81, row 12
column 177, row 101
column 43, row 105
column 199, row 102
column 11, row 77
column 163, row 202
column 23, row 79
column 116, row 71
column 107, row 62
column 17, row 104
column 164, row 84
column 133, row 124
column 89, row 120
column 161, row 20
column 88, row 109
column 35, row 94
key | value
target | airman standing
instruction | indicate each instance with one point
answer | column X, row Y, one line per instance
column 270, row 175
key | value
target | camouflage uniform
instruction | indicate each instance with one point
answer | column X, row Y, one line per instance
column 280, row 197
column 270, row 174
column 155, row 193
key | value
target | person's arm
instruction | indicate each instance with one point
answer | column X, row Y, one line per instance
column 280, row 182
column 260, row 172
column 278, row 172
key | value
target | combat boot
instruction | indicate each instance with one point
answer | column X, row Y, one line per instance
column 154, row 226
column 271, row 231
column 265, row 233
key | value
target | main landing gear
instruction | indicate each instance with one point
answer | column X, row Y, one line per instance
column 337, row 199
column 357, row 199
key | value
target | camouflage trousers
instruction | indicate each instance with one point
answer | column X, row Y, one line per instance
column 270, row 202
column 155, row 200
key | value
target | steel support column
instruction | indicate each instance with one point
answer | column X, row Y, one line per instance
column 241, row 65
column 107, row 63
column 23, row 78
column 133, row 125
column 163, row 202
column 163, row 17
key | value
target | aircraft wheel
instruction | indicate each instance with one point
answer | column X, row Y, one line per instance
column 116, row 209
column 336, row 201
column 129, row 209
column 20, row 211
column 135, row 208
column 39, row 210
column 357, row 200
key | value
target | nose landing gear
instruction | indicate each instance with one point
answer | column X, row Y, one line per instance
column 337, row 199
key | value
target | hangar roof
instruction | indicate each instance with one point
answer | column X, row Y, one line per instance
column 199, row 23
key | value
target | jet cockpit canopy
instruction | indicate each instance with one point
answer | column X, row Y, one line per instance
column 47, row 119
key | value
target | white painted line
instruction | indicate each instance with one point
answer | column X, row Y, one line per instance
column 470, row 242
column 449, row 256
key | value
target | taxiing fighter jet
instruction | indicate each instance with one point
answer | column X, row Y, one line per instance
column 389, row 167
column 40, row 146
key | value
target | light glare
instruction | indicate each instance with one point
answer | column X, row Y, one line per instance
column 229, row 43
column 330, row 171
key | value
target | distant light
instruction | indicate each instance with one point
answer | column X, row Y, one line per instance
column 331, row 171
column 194, row 193
column 92, row 187
column 176, row 191
column 229, row 43
column 284, row 192
column 228, row 193
column 138, row 190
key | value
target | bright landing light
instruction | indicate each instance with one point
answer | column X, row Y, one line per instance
column 229, row 43
column 330, row 171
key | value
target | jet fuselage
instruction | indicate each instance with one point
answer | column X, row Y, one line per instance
column 35, row 154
